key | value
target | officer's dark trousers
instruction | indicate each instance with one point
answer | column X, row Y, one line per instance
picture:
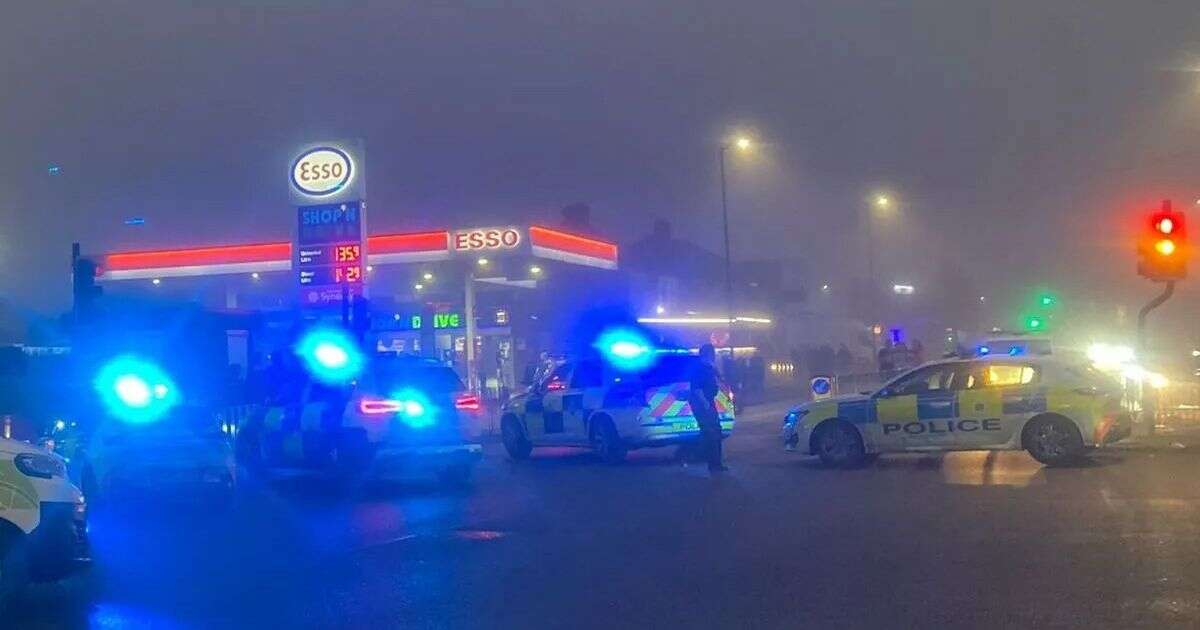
column 710, row 438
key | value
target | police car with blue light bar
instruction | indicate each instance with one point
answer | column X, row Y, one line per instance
column 1054, row 409
column 368, row 415
column 609, row 406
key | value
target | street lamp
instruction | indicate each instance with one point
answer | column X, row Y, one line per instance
column 881, row 203
column 743, row 144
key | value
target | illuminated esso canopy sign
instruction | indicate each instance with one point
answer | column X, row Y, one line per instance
column 322, row 171
column 485, row 239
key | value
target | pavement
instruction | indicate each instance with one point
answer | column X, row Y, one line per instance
column 962, row 540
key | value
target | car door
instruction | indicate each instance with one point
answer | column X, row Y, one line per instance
column 980, row 409
column 1011, row 395
column 916, row 410
column 586, row 379
column 544, row 411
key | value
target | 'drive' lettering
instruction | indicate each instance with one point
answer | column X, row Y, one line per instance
column 942, row 426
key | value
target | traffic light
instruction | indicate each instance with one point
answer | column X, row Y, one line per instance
column 1035, row 323
column 1163, row 248
column 84, row 289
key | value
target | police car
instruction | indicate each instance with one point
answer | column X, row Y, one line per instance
column 403, row 414
column 1052, row 408
column 43, row 519
column 587, row 403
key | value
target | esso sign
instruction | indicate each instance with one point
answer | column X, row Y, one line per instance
column 486, row 239
column 322, row 171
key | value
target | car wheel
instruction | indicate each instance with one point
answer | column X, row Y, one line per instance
column 607, row 442
column 14, row 570
column 515, row 441
column 839, row 445
column 1053, row 441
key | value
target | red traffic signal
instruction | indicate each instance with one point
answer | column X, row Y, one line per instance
column 1163, row 249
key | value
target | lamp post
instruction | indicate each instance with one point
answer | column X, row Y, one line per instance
column 742, row 143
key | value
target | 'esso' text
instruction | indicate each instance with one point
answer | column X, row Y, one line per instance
column 495, row 238
column 322, row 171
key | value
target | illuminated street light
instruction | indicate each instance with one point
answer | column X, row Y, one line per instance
column 903, row 289
column 427, row 276
column 483, row 262
column 743, row 144
column 255, row 275
column 882, row 202
column 156, row 281
column 418, row 286
column 535, row 270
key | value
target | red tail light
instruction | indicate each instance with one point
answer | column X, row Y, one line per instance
column 556, row 386
column 467, row 402
column 376, row 407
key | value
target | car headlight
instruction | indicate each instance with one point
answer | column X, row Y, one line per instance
column 793, row 417
column 41, row 466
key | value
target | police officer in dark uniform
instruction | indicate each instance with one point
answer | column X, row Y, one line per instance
column 704, row 388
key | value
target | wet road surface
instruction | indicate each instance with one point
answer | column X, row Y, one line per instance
column 563, row 541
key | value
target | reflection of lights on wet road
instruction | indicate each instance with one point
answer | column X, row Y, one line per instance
column 984, row 468
column 110, row 617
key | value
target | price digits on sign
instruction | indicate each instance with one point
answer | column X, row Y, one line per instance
column 347, row 253
column 347, row 275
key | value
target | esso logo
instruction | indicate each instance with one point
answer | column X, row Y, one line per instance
column 495, row 238
column 322, row 171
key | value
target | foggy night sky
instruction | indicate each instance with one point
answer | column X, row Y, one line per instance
column 1017, row 136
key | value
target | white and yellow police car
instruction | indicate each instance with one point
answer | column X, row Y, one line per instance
column 43, row 527
column 1052, row 408
column 589, row 404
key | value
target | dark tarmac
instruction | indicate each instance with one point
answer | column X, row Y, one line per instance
column 563, row 541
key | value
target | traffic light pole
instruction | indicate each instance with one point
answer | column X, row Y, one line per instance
column 1168, row 291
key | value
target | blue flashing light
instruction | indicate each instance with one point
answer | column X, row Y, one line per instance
column 135, row 390
column 54, row 169
column 330, row 355
column 627, row 349
column 1016, row 351
column 135, row 221
column 983, row 351
column 821, row 386
column 415, row 408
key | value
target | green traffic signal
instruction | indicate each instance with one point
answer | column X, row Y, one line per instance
column 1047, row 299
column 1034, row 323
